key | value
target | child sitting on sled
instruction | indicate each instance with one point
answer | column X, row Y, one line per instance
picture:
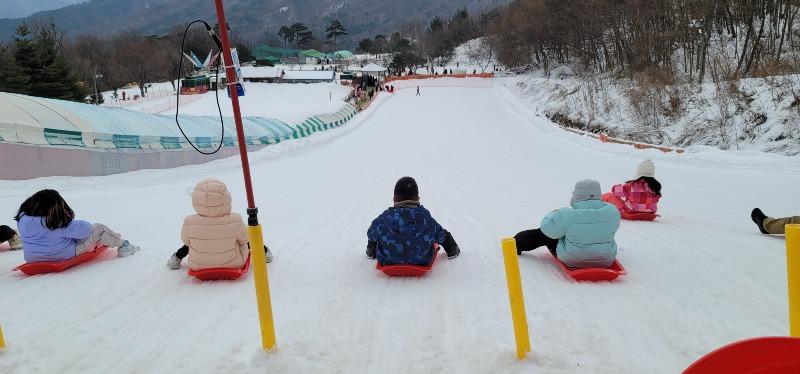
column 580, row 236
column 639, row 195
column 214, row 237
column 50, row 232
column 8, row 234
column 405, row 233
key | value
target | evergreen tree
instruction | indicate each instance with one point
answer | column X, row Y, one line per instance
column 366, row 45
column 334, row 30
column 25, row 61
column 302, row 34
column 11, row 77
column 40, row 68
column 287, row 34
column 53, row 77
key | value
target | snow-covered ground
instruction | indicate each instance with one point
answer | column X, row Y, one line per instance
column 760, row 114
column 700, row 277
column 287, row 102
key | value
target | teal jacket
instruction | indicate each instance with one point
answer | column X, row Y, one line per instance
column 585, row 233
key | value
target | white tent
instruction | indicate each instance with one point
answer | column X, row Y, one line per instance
column 373, row 69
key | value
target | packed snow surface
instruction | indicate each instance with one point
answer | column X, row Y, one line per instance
column 291, row 103
column 700, row 277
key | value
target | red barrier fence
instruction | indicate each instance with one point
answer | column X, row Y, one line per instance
column 607, row 139
column 429, row 76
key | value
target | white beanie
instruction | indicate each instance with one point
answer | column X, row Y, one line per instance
column 646, row 169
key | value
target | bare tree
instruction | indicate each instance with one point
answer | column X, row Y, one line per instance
column 481, row 52
column 142, row 60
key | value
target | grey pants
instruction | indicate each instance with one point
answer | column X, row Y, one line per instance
column 100, row 235
column 777, row 226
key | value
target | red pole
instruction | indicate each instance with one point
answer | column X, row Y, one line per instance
column 254, row 233
column 230, row 74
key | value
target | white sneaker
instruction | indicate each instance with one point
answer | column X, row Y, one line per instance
column 268, row 255
column 126, row 249
column 174, row 262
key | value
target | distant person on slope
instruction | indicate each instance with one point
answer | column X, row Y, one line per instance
column 580, row 236
column 773, row 226
column 417, row 90
column 7, row 234
column 638, row 195
column 405, row 233
column 214, row 237
column 50, row 232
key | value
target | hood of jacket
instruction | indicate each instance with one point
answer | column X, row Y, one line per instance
column 211, row 198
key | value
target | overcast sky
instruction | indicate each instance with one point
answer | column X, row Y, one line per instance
column 24, row 8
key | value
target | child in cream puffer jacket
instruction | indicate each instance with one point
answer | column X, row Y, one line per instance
column 214, row 237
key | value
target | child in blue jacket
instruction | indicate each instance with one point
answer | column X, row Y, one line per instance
column 50, row 231
column 582, row 235
column 405, row 233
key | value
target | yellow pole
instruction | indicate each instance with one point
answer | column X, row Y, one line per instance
column 260, row 277
column 515, row 297
column 793, row 275
column 2, row 341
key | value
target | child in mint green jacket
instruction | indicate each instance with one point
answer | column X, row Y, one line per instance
column 581, row 235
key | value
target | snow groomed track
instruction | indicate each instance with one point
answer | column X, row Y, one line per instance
column 699, row 278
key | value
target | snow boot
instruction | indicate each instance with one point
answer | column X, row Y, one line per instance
column 15, row 242
column 126, row 249
column 758, row 218
column 268, row 254
column 453, row 253
column 174, row 262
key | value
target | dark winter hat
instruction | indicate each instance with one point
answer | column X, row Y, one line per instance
column 586, row 189
column 406, row 189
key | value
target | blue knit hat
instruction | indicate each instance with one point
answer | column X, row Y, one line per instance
column 586, row 189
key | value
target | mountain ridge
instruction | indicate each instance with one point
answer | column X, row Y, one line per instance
column 255, row 20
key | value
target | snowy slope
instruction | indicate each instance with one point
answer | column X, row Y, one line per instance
column 290, row 103
column 754, row 114
column 488, row 167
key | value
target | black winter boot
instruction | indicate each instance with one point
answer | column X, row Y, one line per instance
column 450, row 245
column 758, row 218
column 453, row 252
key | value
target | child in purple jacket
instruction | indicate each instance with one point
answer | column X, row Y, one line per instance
column 50, row 233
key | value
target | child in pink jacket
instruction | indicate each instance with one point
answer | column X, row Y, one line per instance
column 215, row 237
column 639, row 195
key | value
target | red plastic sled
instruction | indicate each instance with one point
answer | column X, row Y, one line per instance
column 639, row 216
column 409, row 270
column 593, row 274
column 221, row 273
column 617, row 202
column 768, row 355
column 44, row 267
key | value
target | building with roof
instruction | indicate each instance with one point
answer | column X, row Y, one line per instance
column 264, row 74
column 312, row 56
column 307, row 76
column 274, row 54
column 343, row 55
column 374, row 70
column 45, row 137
